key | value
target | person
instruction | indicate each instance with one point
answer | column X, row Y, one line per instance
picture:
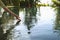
column 6, row 9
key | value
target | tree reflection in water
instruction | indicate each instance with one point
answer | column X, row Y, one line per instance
column 58, row 19
column 57, row 22
column 7, row 23
column 30, row 17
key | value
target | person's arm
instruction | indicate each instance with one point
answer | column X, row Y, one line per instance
column 6, row 9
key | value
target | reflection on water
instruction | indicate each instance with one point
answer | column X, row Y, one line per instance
column 7, row 23
column 37, row 23
column 57, row 22
column 58, row 18
column 43, row 30
column 30, row 17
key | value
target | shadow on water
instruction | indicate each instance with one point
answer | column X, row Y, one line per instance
column 30, row 17
column 7, row 23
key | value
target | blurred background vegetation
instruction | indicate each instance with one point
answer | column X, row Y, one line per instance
column 28, row 3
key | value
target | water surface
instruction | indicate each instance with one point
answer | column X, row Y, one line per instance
column 37, row 23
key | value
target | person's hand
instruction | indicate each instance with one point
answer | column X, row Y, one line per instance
column 17, row 17
column 12, row 13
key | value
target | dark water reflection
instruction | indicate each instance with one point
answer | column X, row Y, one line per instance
column 37, row 23
column 30, row 17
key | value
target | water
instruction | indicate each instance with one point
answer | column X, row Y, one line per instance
column 37, row 23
